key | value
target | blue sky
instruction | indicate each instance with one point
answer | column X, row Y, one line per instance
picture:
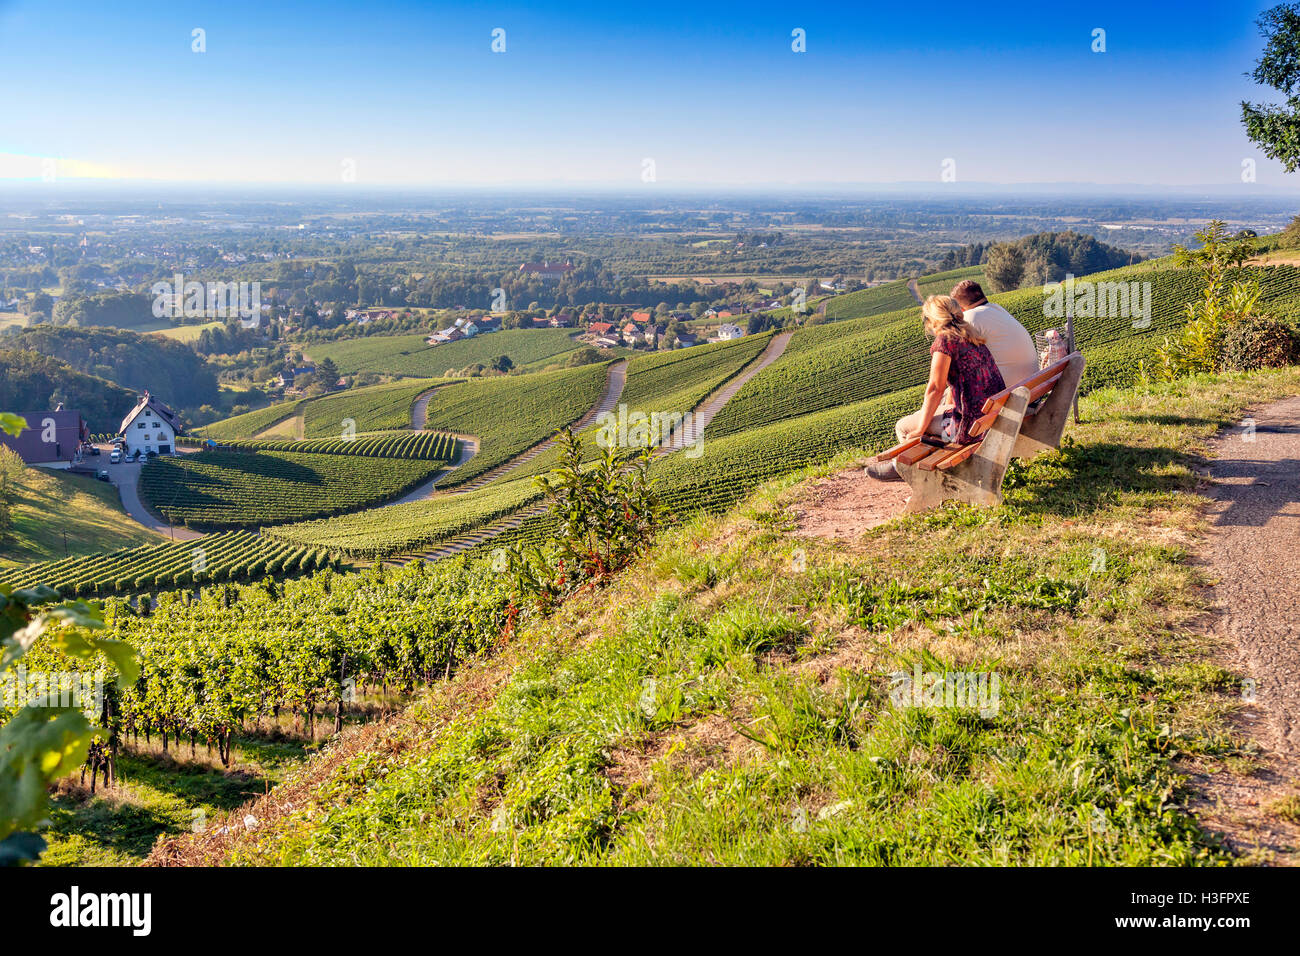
column 411, row 93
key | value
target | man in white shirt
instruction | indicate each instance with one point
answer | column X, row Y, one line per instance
column 1012, row 346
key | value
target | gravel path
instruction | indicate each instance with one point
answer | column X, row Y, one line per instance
column 1253, row 554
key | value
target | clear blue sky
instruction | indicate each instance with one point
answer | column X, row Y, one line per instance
column 412, row 93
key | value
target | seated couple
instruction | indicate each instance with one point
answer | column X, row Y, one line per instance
column 978, row 348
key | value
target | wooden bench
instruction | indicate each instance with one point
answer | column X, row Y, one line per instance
column 1010, row 426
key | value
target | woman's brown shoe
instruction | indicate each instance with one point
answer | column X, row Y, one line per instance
column 884, row 470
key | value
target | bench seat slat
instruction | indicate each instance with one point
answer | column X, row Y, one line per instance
column 898, row 449
column 914, row 454
column 940, row 455
column 960, row 455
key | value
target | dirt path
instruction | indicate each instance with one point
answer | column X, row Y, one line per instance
column 126, row 478
column 1252, row 553
column 916, row 293
column 848, row 504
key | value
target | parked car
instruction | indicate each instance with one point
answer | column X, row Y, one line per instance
column 94, row 449
column 152, row 454
column 102, row 475
column 115, row 457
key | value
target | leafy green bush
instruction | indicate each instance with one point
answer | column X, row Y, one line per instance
column 1260, row 342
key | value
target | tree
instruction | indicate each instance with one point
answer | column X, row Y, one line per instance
column 1276, row 129
column 1004, row 267
column 502, row 363
column 327, row 373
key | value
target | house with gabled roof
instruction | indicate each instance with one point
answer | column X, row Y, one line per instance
column 151, row 426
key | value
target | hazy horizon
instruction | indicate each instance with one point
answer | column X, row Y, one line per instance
column 735, row 96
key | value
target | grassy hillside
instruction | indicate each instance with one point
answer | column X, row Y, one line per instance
column 728, row 699
column 51, row 507
column 412, row 355
column 374, row 408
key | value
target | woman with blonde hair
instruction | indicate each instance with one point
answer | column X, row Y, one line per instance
column 962, row 365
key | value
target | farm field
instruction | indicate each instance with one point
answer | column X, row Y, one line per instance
column 403, row 528
column 232, row 556
column 187, row 333
column 411, row 355
column 250, row 423
column 214, row 490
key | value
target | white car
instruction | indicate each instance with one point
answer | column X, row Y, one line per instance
column 116, row 457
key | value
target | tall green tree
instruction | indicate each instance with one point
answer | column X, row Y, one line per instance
column 1275, row 128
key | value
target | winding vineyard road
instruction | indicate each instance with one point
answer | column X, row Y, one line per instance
column 916, row 292
column 468, row 449
column 1254, row 515
column 126, row 478
column 615, row 380
column 700, row 418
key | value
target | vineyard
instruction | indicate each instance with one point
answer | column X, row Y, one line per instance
column 233, row 556
column 879, row 300
column 250, row 423
column 240, row 655
column 668, row 382
column 372, row 409
column 424, row 446
column 408, row 527
column 216, row 490
column 411, row 355
column 511, row 414
column 941, row 283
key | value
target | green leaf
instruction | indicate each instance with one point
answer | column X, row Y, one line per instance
column 12, row 424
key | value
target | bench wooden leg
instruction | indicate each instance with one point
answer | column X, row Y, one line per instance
column 977, row 480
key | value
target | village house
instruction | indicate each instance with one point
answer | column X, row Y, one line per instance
column 51, row 439
column 727, row 332
column 562, row 320
column 151, row 427
column 452, row 334
column 600, row 328
column 549, row 271
column 605, row 342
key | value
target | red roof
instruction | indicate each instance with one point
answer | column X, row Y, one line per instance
column 600, row 328
column 640, row 316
